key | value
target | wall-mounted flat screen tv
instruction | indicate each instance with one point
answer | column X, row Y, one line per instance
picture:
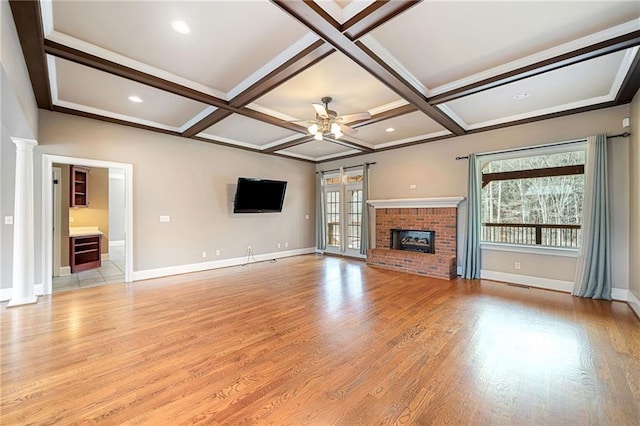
column 259, row 195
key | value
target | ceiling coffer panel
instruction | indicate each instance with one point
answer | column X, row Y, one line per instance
column 407, row 126
column 317, row 149
column 440, row 42
column 90, row 90
column 577, row 85
column 228, row 40
column 352, row 89
column 247, row 130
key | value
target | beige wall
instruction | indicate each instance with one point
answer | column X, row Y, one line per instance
column 432, row 167
column 192, row 182
column 634, row 203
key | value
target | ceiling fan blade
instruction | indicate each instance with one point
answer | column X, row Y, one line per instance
column 306, row 122
column 353, row 117
column 347, row 130
column 321, row 110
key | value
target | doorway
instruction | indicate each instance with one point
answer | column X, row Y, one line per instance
column 102, row 208
column 126, row 171
column 343, row 192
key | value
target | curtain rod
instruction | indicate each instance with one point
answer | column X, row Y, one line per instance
column 621, row 135
column 349, row 167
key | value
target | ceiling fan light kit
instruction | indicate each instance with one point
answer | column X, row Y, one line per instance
column 327, row 121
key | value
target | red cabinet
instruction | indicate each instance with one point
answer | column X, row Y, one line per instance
column 79, row 179
column 85, row 253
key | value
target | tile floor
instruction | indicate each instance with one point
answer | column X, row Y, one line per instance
column 111, row 271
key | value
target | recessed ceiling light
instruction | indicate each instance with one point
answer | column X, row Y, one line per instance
column 389, row 129
column 520, row 96
column 181, row 27
column 135, row 99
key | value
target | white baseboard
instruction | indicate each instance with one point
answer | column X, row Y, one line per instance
column 104, row 257
column 215, row 264
column 620, row 294
column 6, row 293
column 116, row 243
column 545, row 283
column 633, row 301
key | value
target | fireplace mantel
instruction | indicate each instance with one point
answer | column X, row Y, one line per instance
column 420, row 203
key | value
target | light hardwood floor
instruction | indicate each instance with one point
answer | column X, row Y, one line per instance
column 319, row 340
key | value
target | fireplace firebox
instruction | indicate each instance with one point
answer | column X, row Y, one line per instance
column 413, row 240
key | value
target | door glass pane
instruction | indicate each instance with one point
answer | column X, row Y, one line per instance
column 354, row 218
column 333, row 218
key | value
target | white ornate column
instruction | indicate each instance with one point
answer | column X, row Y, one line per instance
column 23, row 233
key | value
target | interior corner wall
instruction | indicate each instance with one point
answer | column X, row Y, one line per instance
column 435, row 172
column 634, row 204
column 193, row 183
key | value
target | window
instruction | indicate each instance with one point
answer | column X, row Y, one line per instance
column 343, row 211
column 354, row 216
column 333, row 218
column 534, row 200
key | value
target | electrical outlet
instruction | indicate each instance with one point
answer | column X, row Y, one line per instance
column 248, row 248
column 278, row 245
column 204, row 254
column 412, row 186
column 71, row 219
column 8, row 220
column 286, row 245
column 217, row 252
column 517, row 265
column 306, row 216
column 165, row 219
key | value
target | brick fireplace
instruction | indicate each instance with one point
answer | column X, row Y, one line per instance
column 435, row 215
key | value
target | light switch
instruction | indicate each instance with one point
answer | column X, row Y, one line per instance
column 8, row 220
column 165, row 219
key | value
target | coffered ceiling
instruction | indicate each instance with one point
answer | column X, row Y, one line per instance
column 247, row 72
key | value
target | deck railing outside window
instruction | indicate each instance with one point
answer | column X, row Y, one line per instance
column 550, row 235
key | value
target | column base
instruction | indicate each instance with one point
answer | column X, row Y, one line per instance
column 20, row 302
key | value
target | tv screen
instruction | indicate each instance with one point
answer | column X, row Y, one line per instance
column 259, row 195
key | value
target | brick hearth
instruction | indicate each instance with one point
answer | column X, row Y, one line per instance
column 442, row 219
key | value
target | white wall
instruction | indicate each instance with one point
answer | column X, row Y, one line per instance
column 435, row 172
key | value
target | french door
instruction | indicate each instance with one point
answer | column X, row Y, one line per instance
column 343, row 212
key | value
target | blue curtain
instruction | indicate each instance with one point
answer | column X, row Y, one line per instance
column 471, row 261
column 321, row 224
column 593, row 273
column 364, row 241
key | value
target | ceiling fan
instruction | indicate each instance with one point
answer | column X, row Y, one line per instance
column 328, row 121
